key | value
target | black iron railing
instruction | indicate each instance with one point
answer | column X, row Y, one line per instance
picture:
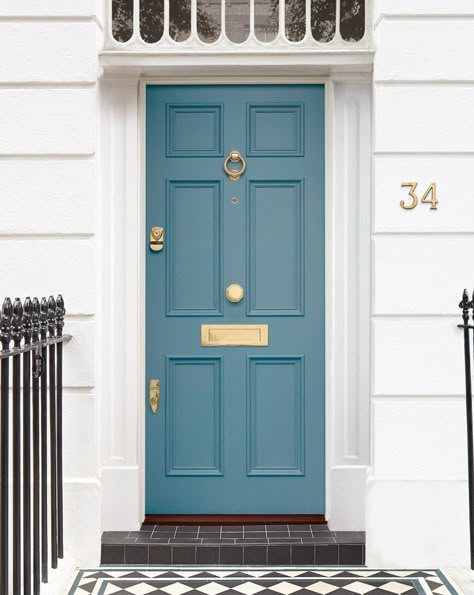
column 467, row 309
column 31, row 488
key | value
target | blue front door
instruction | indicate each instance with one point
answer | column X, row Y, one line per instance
column 241, row 421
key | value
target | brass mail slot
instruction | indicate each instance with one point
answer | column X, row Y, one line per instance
column 234, row 334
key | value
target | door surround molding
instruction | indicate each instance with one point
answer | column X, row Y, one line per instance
column 121, row 323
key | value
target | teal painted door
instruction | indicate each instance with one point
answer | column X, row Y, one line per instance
column 239, row 429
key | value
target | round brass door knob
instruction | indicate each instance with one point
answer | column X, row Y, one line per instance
column 234, row 293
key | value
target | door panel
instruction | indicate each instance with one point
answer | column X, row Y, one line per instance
column 240, row 429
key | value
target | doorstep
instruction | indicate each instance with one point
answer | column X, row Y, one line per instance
column 249, row 544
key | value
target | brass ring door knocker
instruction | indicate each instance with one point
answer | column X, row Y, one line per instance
column 234, row 157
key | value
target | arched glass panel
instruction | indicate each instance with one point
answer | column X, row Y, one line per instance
column 151, row 20
column 323, row 20
column 295, row 19
column 209, row 19
column 122, row 20
column 180, row 19
column 237, row 20
column 352, row 25
column 266, row 19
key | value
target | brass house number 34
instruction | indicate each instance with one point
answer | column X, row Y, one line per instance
column 428, row 197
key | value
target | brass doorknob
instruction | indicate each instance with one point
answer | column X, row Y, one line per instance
column 234, row 293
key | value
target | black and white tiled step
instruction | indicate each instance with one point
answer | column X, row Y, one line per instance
column 250, row 544
column 260, row 580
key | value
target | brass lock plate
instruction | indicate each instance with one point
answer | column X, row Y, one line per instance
column 154, row 395
column 157, row 239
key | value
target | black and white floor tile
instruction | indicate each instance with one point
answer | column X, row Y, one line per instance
column 142, row 580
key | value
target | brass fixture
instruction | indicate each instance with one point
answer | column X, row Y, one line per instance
column 156, row 239
column 234, row 157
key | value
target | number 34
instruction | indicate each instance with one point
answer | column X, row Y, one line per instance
column 430, row 190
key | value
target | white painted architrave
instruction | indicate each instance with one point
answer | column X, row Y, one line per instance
column 123, row 237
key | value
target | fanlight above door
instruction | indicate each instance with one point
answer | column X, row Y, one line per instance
column 227, row 24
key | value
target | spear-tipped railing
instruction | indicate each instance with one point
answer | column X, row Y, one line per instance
column 31, row 514
column 467, row 309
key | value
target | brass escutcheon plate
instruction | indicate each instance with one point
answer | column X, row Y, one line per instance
column 255, row 335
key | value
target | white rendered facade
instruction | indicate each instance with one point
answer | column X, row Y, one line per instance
column 71, row 165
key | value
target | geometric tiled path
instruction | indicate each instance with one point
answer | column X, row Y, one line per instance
column 297, row 580
column 249, row 544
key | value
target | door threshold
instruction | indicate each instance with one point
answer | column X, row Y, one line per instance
column 234, row 519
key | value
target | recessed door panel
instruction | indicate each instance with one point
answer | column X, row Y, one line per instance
column 275, row 244
column 235, row 299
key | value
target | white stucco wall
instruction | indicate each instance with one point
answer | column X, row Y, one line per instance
column 48, row 197
column 423, row 131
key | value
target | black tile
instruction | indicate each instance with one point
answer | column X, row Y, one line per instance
column 350, row 537
column 279, row 554
column 250, row 533
column 319, row 528
column 232, row 535
column 254, row 528
column 209, row 535
column 162, row 534
column 209, row 529
column 319, row 539
column 166, row 527
column 159, row 540
column 187, row 529
column 278, row 534
column 227, row 528
column 136, row 554
column 147, row 528
column 112, row 554
column 145, row 538
column 231, row 555
column 184, row 554
column 159, row 554
column 302, row 554
column 137, row 534
column 207, row 555
column 255, row 554
column 277, row 528
column 186, row 540
column 219, row 541
column 284, row 539
column 114, row 535
column 299, row 527
column 301, row 534
column 351, row 554
column 261, row 540
column 326, row 554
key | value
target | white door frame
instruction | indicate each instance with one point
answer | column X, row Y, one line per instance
column 121, row 333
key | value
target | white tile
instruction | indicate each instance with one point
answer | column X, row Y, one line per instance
column 141, row 589
column 284, row 588
column 176, row 589
column 359, row 588
column 212, row 588
column 397, row 588
column 320, row 587
column 248, row 588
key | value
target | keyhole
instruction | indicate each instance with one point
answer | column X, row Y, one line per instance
column 234, row 200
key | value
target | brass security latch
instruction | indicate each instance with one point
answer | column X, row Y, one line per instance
column 154, row 395
column 156, row 238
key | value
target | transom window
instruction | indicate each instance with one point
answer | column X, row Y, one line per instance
column 212, row 23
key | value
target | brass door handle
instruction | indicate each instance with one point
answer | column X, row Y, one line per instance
column 234, row 157
column 154, row 395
